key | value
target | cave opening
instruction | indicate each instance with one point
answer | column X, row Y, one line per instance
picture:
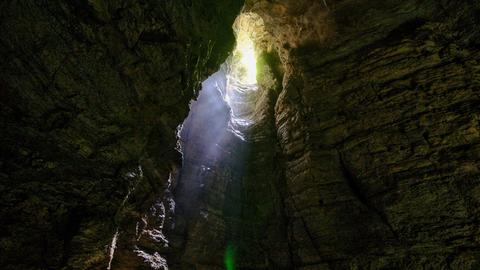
column 213, row 141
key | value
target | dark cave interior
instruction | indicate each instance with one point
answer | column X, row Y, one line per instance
column 231, row 134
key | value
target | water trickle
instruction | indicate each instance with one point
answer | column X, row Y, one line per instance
column 112, row 248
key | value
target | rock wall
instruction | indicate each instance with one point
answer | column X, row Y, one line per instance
column 364, row 154
column 379, row 125
column 366, row 157
column 91, row 94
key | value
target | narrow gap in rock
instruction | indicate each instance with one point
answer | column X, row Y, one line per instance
column 213, row 143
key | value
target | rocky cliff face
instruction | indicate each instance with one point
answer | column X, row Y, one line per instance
column 91, row 94
column 363, row 153
column 378, row 122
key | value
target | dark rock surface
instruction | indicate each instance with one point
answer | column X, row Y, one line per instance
column 90, row 92
column 364, row 153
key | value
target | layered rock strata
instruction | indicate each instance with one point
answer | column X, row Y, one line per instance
column 91, row 94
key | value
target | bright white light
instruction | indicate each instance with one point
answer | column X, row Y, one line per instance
column 248, row 62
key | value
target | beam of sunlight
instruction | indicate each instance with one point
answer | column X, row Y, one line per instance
column 213, row 139
column 248, row 63
column 241, row 73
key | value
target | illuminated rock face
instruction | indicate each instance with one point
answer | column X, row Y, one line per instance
column 378, row 126
column 364, row 154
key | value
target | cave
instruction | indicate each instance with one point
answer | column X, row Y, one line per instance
column 239, row 134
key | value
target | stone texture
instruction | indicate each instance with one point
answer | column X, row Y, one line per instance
column 378, row 124
column 90, row 91
column 364, row 153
